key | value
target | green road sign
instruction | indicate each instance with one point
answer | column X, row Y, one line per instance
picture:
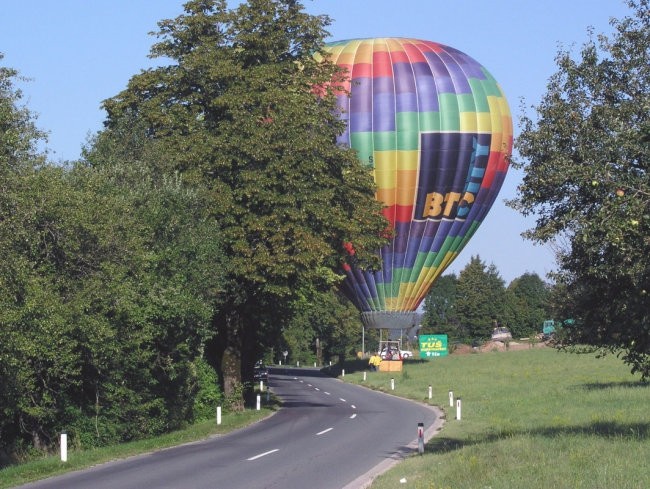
column 433, row 345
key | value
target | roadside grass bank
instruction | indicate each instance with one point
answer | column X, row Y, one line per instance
column 534, row 418
column 79, row 459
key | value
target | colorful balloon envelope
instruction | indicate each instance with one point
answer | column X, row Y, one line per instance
column 436, row 130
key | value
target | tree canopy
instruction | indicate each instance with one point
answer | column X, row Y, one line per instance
column 585, row 154
column 104, row 304
column 245, row 113
column 530, row 303
column 439, row 308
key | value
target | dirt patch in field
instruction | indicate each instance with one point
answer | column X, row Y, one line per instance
column 490, row 346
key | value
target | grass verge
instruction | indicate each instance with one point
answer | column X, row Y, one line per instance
column 535, row 418
column 79, row 459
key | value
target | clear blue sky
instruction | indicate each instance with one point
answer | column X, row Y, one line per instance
column 77, row 53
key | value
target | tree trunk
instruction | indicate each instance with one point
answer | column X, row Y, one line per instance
column 233, row 352
column 222, row 352
column 248, row 359
column 231, row 368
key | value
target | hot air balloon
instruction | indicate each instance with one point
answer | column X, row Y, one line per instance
column 436, row 130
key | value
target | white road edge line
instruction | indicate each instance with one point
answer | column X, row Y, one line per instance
column 324, row 431
column 263, row 454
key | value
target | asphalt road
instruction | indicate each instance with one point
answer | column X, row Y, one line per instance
column 328, row 435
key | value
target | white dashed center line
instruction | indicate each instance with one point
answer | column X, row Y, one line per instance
column 324, row 431
column 263, row 454
column 353, row 416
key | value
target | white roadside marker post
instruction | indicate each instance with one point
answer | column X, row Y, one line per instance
column 218, row 415
column 420, row 438
column 430, row 392
column 64, row 447
column 451, row 399
column 458, row 409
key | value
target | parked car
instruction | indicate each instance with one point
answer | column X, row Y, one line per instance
column 395, row 354
column 261, row 373
column 501, row 334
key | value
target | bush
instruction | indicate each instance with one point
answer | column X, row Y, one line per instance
column 208, row 395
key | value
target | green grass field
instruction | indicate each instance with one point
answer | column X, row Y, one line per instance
column 534, row 418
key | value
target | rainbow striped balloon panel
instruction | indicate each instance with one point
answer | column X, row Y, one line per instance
column 436, row 130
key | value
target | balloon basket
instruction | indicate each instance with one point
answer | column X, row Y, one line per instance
column 390, row 366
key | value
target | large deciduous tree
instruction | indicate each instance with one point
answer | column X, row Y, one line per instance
column 586, row 155
column 245, row 112
column 19, row 156
column 440, row 314
column 481, row 299
column 530, row 299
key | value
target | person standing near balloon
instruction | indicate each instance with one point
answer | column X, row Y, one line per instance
column 374, row 362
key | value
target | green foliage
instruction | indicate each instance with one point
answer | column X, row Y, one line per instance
column 208, row 394
column 327, row 317
column 238, row 115
column 237, row 112
column 530, row 300
column 103, row 297
column 440, row 316
column 586, row 179
column 19, row 136
column 480, row 302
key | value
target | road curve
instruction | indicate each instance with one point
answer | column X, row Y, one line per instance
column 328, row 435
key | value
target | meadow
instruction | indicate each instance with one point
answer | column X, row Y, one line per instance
column 534, row 418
